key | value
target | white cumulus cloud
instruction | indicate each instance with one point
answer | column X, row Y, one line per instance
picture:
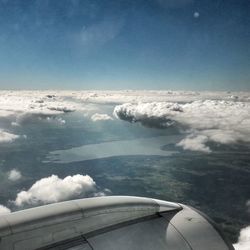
column 101, row 117
column 4, row 210
column 244, row 240
column 14, row 175
column 53, row 189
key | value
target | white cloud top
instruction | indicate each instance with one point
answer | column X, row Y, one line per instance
column 53, row 189
column 210, row 120
column 14, row 175
column 4, row 210
column 244, row 240
column 101, row 117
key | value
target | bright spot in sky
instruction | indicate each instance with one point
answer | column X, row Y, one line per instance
column 196, row 14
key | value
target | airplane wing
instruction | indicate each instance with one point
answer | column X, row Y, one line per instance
column 110, row 223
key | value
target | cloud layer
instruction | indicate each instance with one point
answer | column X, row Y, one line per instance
column 135, row 96
column 203, row 121
column 54, row 189
column 59, row 102
column 221, row 117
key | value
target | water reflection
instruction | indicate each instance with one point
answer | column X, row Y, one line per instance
column 145, row 146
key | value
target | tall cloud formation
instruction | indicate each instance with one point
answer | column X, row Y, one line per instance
column 149, row 114
column 4, row 210
column 53, row 189
column 244, row 240
column 204, row 121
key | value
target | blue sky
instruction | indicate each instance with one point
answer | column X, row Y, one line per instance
column 121, row 44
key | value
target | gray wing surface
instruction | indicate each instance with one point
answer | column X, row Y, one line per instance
column 110, row 223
